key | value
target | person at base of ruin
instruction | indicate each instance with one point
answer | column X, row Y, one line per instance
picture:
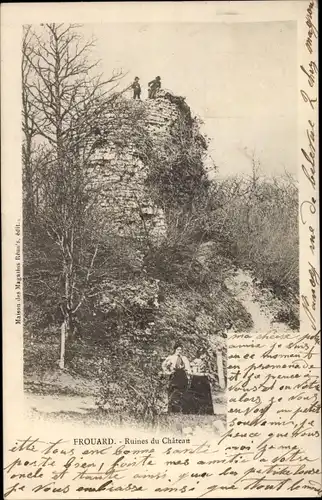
column 199, row 398
column 177, row 367
column 136, row 88
column 154, row 86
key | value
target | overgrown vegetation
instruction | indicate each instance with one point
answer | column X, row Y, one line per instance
column 256, row 223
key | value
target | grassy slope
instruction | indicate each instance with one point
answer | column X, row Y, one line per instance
column 85, row 360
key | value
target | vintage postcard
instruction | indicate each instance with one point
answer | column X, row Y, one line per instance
column 161, row 278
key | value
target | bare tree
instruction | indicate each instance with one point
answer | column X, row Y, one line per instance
column 65, row 88
column 62, row 100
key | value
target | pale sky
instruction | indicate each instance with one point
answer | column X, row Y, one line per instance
column 240, row 78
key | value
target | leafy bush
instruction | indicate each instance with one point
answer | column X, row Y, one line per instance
column 255, row 223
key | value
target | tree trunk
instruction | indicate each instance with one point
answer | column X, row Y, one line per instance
column 28, row 174
column 63, row 338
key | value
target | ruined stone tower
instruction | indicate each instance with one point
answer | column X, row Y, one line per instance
column 120, row 168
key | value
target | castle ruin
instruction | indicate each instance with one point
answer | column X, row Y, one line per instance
column 120, row 169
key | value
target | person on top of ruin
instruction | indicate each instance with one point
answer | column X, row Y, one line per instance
column 136, row 88
column 154, row 86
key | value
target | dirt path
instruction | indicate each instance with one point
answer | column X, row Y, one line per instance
column 259, row 303
column 82, row 409
column 55, row 404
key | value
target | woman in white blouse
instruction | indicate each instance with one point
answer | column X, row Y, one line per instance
column 178, row 368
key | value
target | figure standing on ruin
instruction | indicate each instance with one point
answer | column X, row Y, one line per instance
column 136, row 88
column 154, row 87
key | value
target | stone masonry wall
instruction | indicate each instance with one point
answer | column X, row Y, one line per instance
column 119, row 175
